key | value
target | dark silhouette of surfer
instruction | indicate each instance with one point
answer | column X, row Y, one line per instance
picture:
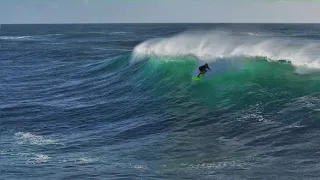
column 203, row 69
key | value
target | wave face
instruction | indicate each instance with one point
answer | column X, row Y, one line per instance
column 120, row 98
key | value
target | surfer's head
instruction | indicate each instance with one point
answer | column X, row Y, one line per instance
column 206, row 65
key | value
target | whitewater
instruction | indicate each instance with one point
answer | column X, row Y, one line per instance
column 212, row 45
column 117, row 101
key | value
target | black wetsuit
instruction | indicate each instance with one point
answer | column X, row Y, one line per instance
column 203, row 69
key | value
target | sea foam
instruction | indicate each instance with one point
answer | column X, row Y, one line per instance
column 211, row 45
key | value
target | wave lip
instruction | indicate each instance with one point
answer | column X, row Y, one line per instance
column 210, row 45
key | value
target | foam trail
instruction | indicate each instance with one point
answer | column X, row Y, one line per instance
column 210, row 45
column 26, row 137
column 22, row 38
column 14, row 37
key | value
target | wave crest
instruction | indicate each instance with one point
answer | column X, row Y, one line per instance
column 210, row 45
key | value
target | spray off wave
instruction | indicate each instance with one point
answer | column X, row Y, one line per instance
column 212, row 45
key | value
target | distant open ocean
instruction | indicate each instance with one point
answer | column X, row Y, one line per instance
column 117, row 101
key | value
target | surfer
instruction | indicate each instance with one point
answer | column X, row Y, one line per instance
column 203, row 69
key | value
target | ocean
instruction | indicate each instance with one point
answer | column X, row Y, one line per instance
column 117, row 101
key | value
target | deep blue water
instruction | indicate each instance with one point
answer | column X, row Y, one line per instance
column 116, row 101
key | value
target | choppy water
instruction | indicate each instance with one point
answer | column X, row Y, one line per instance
column 117, row 101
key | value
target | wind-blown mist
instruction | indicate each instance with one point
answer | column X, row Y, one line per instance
column 210, row 45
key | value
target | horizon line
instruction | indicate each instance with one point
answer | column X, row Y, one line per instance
column 70, row 23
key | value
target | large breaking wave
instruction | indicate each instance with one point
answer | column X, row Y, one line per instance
column 212, row 45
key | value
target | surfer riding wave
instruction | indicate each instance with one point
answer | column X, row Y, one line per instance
column 203, row 69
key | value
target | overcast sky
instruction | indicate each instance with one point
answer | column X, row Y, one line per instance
column 155, row 11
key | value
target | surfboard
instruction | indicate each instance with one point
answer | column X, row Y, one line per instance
column 196, row 78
